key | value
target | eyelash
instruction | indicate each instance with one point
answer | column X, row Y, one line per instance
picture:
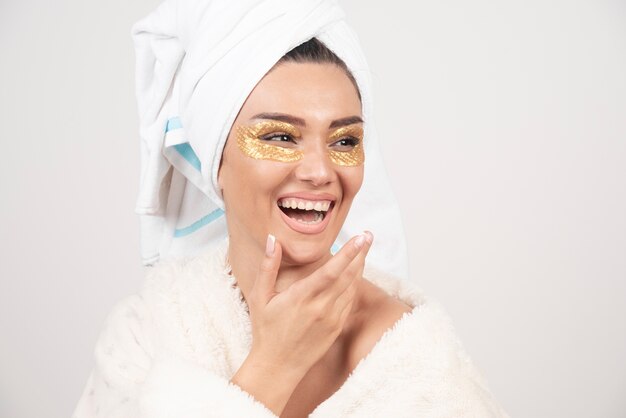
column 353, row 142
column 276, row 135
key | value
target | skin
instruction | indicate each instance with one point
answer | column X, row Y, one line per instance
column 319, row 94
column 250, row 187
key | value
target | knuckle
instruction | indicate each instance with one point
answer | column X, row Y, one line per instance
column 320, row 311
column 326, row 274
column 350, row 273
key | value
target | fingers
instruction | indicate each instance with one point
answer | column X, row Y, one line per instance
column 355, row 268
column 346, row 298
column 345, row 307
column 340, row 261
column 350, row 283
column 360, row 259
column 264, row 286
column 335, row 276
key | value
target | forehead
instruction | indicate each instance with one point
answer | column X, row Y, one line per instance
column 315, row 92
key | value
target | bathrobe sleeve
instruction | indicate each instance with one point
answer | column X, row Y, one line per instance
column 129, row 382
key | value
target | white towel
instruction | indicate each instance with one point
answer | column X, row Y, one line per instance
column 197, row 61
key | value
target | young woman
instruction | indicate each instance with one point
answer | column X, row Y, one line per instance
column 267, row 321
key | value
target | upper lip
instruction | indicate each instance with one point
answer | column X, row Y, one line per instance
column 309, row 196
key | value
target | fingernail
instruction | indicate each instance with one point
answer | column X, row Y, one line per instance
column 269, row 246
column 360, row 240
column 369, row 237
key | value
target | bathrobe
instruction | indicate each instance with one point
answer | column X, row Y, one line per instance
column 170, row 350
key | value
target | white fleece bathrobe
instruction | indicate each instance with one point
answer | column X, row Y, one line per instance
column 170, row 350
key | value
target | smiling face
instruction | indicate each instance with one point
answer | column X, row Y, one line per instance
column 293, row 161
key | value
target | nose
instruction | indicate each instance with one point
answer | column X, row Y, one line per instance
column 315, row 167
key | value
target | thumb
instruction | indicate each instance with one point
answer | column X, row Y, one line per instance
column 268, row 270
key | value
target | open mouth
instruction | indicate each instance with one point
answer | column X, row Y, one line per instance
column 307, row 212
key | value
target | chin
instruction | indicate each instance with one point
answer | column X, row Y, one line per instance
column 302, row 252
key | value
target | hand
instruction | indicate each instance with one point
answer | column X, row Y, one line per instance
column 296, row 327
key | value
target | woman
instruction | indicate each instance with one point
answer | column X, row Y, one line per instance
column 268, row 322
column 260, row 195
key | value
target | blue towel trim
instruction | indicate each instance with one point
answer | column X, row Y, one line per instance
column 186, row 151
column 198, row 224
column 173, row 123
column 183, row 149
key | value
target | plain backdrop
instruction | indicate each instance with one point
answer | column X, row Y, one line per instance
column 503, row 125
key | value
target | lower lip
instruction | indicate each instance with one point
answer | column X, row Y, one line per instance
column 307, row 228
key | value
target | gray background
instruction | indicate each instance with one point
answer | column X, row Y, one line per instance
column 503, row 126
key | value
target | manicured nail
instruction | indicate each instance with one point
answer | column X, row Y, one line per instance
column 369, row 237
column 360, row 240
column 269, row 246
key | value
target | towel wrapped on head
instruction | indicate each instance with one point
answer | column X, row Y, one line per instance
column 197, row 62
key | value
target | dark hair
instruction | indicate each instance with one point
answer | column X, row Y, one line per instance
column 315, row 51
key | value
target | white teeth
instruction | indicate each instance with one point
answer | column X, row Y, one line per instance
column 318, row 219
column 317, row 205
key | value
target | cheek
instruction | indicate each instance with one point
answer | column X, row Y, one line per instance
column 252, row 183
column 351, row 179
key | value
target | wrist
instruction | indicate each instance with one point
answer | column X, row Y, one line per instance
column 274, row 368
column 268, row 384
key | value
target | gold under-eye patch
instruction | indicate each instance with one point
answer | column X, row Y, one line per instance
column 249, row 142
column 355, row 156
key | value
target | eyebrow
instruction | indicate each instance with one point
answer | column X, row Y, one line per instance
column 300, row 122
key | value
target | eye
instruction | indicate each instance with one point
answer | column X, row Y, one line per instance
column 346, row 144
column 282, row 137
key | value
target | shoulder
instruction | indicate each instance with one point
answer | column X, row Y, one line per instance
column 405, row 327
column 170, row 294
column 196, row 280
column 398, row 309
column 381, row 312
column 387, row 299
